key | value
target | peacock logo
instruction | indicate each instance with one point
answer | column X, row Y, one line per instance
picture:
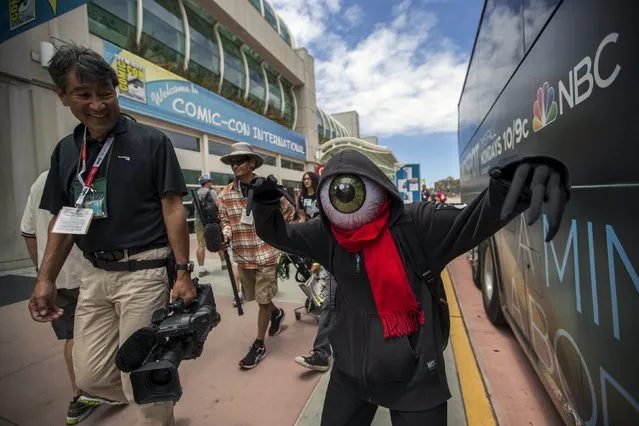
column 545, row 107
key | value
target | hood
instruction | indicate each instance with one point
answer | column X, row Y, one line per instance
column 354, row 162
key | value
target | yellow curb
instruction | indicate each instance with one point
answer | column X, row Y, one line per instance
column 479, row 411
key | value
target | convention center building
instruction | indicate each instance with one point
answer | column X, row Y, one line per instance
column 207, row 73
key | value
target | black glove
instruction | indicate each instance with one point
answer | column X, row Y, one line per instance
column 266, row 191
column 539, row 179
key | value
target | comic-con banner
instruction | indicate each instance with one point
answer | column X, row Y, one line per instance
column 22, row 15
column 148, row 89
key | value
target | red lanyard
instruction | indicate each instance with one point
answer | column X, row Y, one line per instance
column 86, row 184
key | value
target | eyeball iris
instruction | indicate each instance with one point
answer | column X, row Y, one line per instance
column 347, row 193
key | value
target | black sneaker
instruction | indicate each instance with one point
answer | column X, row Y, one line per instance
column 255, row 355
column 314, row 362
column 277, row 318
column 78, row 411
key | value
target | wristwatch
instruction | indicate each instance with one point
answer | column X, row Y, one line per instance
column 188, row 267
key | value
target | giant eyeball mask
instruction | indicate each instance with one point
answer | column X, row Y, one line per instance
column 351, row 201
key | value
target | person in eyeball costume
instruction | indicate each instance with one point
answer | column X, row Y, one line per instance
column 388, row 337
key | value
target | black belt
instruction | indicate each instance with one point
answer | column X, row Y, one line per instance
column 130, row 265
column 111, row 260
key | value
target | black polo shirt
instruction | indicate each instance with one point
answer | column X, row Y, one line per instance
column 143, row 167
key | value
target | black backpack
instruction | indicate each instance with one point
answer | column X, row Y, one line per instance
column 210, row 210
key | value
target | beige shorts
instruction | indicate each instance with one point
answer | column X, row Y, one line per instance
column 259, row 284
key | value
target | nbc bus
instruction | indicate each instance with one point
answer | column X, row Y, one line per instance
column 562, row 78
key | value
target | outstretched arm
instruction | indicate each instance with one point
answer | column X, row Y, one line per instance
column 516, row 184
column 300, row 238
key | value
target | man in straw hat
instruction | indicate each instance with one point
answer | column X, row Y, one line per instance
column 257, row 260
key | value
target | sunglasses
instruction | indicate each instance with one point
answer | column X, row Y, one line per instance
column 238, row 161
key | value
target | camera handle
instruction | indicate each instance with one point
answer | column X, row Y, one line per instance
column 178, row 305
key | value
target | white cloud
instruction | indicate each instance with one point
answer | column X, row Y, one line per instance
column 399, row 79
column 354, row 14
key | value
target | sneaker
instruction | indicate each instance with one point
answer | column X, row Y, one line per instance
column 277, row 318
column 202, row 271
column 255, row 355
column 94, row 400
column 78, row 411
column 313, row 362
column 241, row 300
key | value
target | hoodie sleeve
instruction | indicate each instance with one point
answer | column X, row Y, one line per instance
column 304, row 239
column 453, row 230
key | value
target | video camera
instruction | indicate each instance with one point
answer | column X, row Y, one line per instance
column 152, row 354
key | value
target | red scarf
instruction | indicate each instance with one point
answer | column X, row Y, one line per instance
column 394, row 298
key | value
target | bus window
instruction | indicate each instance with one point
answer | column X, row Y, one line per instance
column 536, row 14
column 500, row 48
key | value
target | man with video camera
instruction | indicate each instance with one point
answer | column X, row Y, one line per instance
column 115, row 188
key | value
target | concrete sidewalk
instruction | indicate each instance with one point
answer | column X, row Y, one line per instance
column 312, row 412
column 34, row 388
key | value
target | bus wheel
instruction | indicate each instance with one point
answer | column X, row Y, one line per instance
column 474, row 266
column 490, row 286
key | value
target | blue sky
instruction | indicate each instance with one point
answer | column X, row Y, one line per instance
column 400, row 64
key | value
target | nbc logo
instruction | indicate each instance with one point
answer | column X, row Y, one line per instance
column 545, row 108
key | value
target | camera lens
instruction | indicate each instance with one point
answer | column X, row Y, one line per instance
column 161, row 377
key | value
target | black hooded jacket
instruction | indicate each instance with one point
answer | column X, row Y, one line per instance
column 391, row 373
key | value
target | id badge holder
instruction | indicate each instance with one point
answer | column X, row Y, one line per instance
column 96, row 199
column 246, row 219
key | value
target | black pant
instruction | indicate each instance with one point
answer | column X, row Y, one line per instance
column 343, row 407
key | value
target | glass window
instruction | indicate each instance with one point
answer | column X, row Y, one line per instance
column 191, row 178
column 468, row 111
column 327, row 126
column 164, row 41
column 292, row 165
column 499, row 50
column 182, row 141
column 233, row 87
column 114, row 20
column 256, row 4
column 536, row 14
column 257, row 88
column 289, row 106
column 320, row 126
column 219, row 149
column 269, row 15
column 274, row 94
column 221, row 179
column 333, row 127
column 285, row 33
column 291, row 184
column 269, row 160
column 204, row 64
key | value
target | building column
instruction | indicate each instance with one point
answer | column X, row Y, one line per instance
column 204, row 153
column 307, row 106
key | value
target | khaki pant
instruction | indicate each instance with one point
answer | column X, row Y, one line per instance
column 111, row 306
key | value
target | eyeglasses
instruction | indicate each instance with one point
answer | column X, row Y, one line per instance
column 238, row 161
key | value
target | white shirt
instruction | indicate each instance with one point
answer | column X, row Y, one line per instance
column 35, row 222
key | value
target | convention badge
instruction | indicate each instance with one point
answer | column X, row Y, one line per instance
column 73, row 220
column 246, row 219
column 95, row 198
